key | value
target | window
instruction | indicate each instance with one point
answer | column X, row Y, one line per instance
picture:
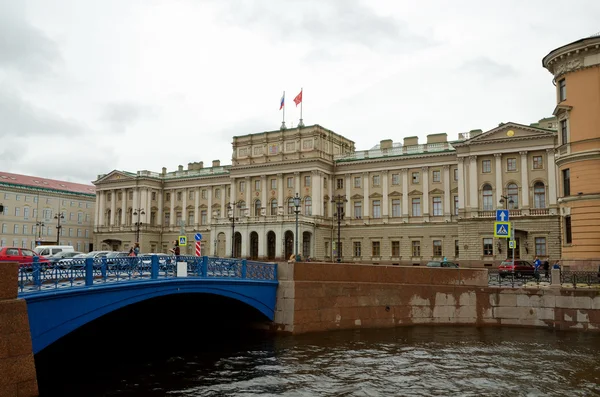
column 512, row 191
column 488, row 246
column 511, row 164
column 203, row 217
column 25, row 229
column 486, row 166
column 274, row 207
column 415, row 178
column 437, row 247
column 456, row 174
column 376, row 248
column 167, row 197
column 16, row 229
column 396, row 248
column 167, row 218
column 257, row 185
column 568, row 231
column 290, row 206
column 108, row 197
column 273, row 184
column 562, row 90
column 190, row 220
column 396, row 209
column 539, row 195
column 217, row 193
column 4, row 228
column 416, row 248
column 395, row 179
column 564, row 132
column 307, row 180
column 191, row 195
column 257, row 207
column 456, row 248
column 26, row 212
column 18, row 197
column 17, row 211
column 204, row 194
column 70, row 232
column 376, row 180
column 357, row 181
column 80, row 217
column 79, row 233
column 488, row 202
column 242, row 186
column 356, row 249
column 540, row 246
column 537, row 163
column 358, row 209
column 416, row 207
column 437, row 206
column 437, row 176
column 376, row 208
column 307, row 206
column 339, row 183
column 566, row 177
column 290, row 182
column 327, row 249
column 153, row 196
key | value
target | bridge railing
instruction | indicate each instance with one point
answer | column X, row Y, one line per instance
column 93, row 271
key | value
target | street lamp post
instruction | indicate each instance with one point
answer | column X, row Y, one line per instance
column 339, row 201
column 231, row 211
column 138, row 212
column 512, row 230
column 58, row 217
column 297, row 211
column 40, row 225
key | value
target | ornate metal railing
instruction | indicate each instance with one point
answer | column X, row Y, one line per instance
column 496, row 279
column 95, row 271
column 579, row 279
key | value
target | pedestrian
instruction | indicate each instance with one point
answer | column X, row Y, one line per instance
column 175, row 250
column 546, row 269
column 136, row 249
column 131, row 252
column 556, row 264
column 536, row 268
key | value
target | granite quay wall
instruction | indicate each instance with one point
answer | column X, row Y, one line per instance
column 324, row 296
column 17, row 366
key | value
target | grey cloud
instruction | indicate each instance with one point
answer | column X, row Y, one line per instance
column 19, row 118
column 488, row 68
column 121, row 115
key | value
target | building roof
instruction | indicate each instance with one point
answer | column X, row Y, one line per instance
column 7, row 178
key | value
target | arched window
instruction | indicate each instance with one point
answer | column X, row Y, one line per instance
column 539, row 195
column 129, row 218
column 512, row 192
column 257, row 206
column 107, row 223
column 307, row 206
column 241, row 208
column 488, row 202
column 274, row 207
column 290, row 206
column 118, row 217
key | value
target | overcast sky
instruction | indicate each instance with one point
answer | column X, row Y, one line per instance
column 88, row 86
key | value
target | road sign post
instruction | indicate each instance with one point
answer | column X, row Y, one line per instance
column 502, row 216
column 198, row 248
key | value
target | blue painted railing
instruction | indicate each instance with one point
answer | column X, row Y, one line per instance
column 97, row 271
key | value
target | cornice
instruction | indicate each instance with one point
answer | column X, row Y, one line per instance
column 579, row 197
column 576, row 157
column 572, row 57
column 395, row 158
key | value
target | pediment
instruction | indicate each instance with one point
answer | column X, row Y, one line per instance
column 216, row 205
column 357, row 197
column 376, row 195
column 455, row 190
column 395, row 193
column 114, row 176
column 415, row 193
column 560, row 109
column 326, row 198
column 507, row 132
column 436, row 191
column 189, row 207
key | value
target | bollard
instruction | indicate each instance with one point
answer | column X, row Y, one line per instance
column 154, row 268
column 244, row 267
column 555, row 275
column 89, row 271
column 36, row 273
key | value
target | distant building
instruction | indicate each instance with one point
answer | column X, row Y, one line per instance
column 576, row 70
column 31, row 209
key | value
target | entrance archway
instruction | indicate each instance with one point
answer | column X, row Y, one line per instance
column 289, row 244
column 271, row 241
column 306, row 242
column 237, row 245
column 254, row 245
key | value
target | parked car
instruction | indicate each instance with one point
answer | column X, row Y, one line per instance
column 163, row 260
column 49, row 250
column 23, row 256
column 63, row 255
column 518, row 268
column 75, row 261
column 113, row 259
column 442, row 264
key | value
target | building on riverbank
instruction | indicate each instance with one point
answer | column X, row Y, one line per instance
column 31, row 206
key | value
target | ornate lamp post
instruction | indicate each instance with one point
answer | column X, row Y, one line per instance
column 297, row 211
column 512, row 232
column 58, row 217
column 138, row 212
column 39, row 225
column 231, row 212
column 339, row 201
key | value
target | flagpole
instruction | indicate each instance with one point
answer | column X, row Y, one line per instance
column 283, row 127
column 301, row 123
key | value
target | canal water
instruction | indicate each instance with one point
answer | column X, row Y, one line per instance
column 415, row 361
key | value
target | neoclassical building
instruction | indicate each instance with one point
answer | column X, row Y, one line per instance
column 402, row 202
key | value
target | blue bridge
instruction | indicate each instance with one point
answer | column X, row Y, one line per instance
column 63, row 297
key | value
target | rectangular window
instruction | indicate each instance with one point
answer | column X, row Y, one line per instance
column 437, row 247
column 456, row 174
column 566, row 177
column 564, row 134
column 537, row 163
column 257, row 185
column 26, row 213
column 376, row 208
column 273, row 184
column 179, row 196
column 191, row 195
column 87, row 233
column 167, row 218
column 204, row 194
column 307, row 181
column 376, row 180
column 540, row 246
column 396, row 209
column 25, row 229
column 415, row 178
column 416, row 207
column 562, row 90
column 486, row 166
column 396, row 249
column 339, row 183
column 217, row 193
column 203, row 217
column 488, row 246
column 356, row 248
column 456, row 248
column 79, row 233
column 18, row 197
column 190, row 219
column 178, row 218
column 242, row 186
column 437, row 176
column 376, row 245
column 395, row 179
column 16, row 229
column 416, row 248
column 290, row 182
column 511, row 164
column 568, row 232
column 327, row 249
column 358, row 209
column 357, row 181
column 437, row 206
column 153, row 196
column 167, row 197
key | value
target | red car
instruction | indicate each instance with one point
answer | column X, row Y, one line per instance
column 519, row 268
column 22, row 255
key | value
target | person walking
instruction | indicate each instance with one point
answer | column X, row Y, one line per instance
column 136, row 249
column 546, row 269
column 536, row 268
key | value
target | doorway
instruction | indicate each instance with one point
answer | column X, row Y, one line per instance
column 253, row 245
column 306, row 242
column 517, row 250
column 289, row 244
column 237, row 245
column 271, row 241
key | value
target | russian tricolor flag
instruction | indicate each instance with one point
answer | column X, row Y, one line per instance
column 282, row 101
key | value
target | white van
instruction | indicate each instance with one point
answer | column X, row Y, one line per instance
column 47, row 250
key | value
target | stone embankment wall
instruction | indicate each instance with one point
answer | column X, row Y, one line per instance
column 325, row 296
column 17, row 366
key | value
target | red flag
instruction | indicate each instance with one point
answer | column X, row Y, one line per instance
column 298, row 98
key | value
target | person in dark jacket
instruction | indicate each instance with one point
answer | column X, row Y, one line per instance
column 546, row 265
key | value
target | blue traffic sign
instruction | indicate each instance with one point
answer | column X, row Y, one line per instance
column 502, row 215
column 197, row 237
column 502, row 229
column 182, row 241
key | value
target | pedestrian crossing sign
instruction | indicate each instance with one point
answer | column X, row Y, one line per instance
column 511, row 244
column 502, row 229
column 182, row 241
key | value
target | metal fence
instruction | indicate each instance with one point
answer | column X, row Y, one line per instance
column 579, row 279
column 568, row 279
column 94, row 271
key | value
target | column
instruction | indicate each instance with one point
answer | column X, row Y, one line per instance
column 297, row 184
column 473, row 188
column 552, row 182
column 461, row 184
column 184, row 207
column 384, row 200
column 159, row 218
column 330, row 194
column 263, row 198
column 317, row 195
column 135, row 203
column 223, row 201
column 499, row 171
column 197, row 193
column 247, row 200
column 233, row 195
column 348, row 210
column 447, row 191
column 100, row 209
column 123, row 206
column 209, row 211
column 425, row 191
column 367, row 202
column 280, row 188
column 173, row 196
column 524, row 180
column 404, row 172
column 113, row 207
column 148, row 206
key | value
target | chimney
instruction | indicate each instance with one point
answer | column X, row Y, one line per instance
column 180, row 168
column 437, row 138
column 200, row 165
column 216, row 163
column 164, row 170
column 386, row 144
column 474, row 133
column 190, row 166
column 411, row 140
